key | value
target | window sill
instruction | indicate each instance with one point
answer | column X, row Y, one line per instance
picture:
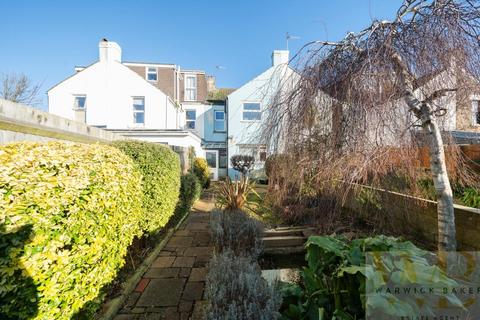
column 78, row 109
column 250, row 121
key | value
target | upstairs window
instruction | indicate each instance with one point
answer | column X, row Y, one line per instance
column 476, row 112
column 138, row 110
column 79, row 102
column 152, row 74
column 219, row 124
column 191, row 118
column 190, row 88
column 251, row 111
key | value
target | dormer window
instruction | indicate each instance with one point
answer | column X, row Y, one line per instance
column 79, row 102
column 190, row 87
column 152, row 74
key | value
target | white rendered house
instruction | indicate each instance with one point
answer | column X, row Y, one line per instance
column 147, row 101
column 247, row 107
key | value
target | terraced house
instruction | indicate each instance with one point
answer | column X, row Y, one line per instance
column 163, row 103
column 156, row 102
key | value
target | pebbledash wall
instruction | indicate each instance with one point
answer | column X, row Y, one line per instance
column 417, row 218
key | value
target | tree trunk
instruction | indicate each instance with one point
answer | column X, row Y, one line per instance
column 423, row 111
column 445, row 210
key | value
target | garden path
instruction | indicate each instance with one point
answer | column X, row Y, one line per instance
column 173, row 286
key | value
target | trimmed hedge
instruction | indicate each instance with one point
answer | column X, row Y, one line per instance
column 68, row 212
column 160, row 167
column 202, row 171
column 190, row 190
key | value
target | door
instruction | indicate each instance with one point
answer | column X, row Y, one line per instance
column 212, row 160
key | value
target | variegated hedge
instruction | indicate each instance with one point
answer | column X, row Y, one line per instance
column 68, row 212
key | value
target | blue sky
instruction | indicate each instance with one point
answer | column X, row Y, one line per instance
column 46, row 39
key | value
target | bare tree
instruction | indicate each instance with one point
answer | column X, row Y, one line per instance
column 364, row 105
column 19, row 88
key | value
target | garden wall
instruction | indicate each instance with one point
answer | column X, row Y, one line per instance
column 22, row 123
column 414, row 217
column 19, row 122
column 470, row 151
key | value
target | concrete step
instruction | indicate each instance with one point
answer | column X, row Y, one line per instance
column 283, row 250
column 282, row 233
column 284, row 241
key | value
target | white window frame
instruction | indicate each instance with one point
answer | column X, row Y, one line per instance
column 190, row 120
column 147, row 73
column 139, row 124
column 257, row 111
column 193, row 88
column 215, row 120
column 75, row 105
column 475, row 101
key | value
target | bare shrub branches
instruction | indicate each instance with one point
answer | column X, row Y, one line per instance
column 363, row 106
column 19, row 88
column 347, row 111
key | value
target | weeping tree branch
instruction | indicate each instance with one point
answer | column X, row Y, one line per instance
column 353, row 113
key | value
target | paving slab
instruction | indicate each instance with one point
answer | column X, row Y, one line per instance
column 198, row 274
column 162, row 293
column 198, row 251
column 193, row 291
column 163, row 262
column 159, row 273
column 183, row 262
column 179, row 242
column 174, row 284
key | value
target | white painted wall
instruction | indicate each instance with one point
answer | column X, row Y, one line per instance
column 261, row 89
column 200, row 113
column 181, row 139
column 110, row 87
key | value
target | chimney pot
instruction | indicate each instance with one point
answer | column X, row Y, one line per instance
column 109, row 51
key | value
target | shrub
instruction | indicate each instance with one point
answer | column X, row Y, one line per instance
column 68, row 212
column 275, row 163
column 233, row 195
column 471, row 197
column 235, row 290
column 234, row 230
column 338, row 273
column 242, row 163
column 160, row 168
column 190, row 190
column 201, row 170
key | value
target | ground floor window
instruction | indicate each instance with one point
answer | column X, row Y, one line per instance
column 259, row 152
column 211, row 157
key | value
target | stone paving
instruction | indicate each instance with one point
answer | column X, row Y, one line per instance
column 173, row 286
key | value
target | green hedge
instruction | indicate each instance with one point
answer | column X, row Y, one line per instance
column 202, row 171
column 190, row 191
column 160, row 167
column 68, row 212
